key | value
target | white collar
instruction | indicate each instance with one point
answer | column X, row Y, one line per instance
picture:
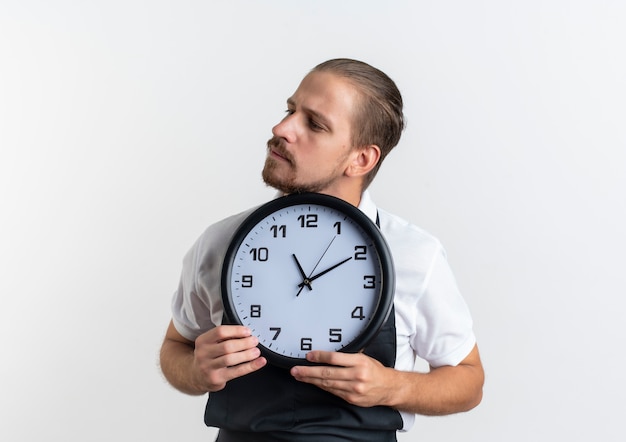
column 367, row 206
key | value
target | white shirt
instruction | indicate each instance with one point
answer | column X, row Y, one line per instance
column 433, row 321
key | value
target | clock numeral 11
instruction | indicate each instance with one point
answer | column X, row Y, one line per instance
column 279, row 230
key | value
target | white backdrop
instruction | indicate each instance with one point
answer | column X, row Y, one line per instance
column 126, row 127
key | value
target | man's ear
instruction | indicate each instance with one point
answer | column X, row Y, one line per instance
column 364, row 159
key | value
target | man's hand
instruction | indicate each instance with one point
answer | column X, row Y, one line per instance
column 216, row 357
column 356, row 378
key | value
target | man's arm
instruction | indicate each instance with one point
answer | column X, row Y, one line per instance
column 364, row 381
column 217, row 356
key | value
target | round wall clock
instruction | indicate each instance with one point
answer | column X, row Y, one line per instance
column 308, row 272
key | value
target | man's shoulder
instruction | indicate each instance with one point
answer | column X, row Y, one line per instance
column 396, row 228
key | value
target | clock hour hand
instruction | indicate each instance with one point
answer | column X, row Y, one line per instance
column 305, row 281
column 308, row 281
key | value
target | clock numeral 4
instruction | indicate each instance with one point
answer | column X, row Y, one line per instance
column 357, row 313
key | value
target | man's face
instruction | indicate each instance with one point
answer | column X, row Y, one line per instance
column 311, row 147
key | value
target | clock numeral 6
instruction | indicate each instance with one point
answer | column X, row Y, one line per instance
column 334, row 335
column 306, row 344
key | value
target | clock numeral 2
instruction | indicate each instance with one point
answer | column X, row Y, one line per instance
column 360, row 252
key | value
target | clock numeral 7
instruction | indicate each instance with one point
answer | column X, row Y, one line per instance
column 277, row 330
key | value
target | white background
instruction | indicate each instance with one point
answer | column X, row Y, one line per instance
column 127, row 127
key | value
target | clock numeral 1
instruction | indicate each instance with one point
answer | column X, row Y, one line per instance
column 369, row 282
column 334, row 335
column 306, row 344
column 360, row 253
column 277, row 330
column 337, row 226
column 246, row 281
column 255, row 311
column 357, row 313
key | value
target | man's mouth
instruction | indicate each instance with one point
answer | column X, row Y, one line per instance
column 276, row 151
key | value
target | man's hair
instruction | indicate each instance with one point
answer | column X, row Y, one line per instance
column 378, row 119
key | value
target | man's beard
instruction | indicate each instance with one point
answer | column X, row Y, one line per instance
column 286, row 183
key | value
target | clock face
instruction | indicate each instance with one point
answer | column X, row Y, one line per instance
column 308, row 272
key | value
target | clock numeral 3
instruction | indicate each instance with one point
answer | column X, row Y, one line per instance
column 369, row 282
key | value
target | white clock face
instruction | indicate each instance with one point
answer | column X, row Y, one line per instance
column 305, row 277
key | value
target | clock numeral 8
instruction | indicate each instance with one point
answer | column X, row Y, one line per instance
column 255, row 311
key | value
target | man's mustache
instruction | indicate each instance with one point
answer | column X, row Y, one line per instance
column 277, row 145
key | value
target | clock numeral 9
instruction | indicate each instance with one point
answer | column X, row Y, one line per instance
column 360, row 253
column 334, row 335
column 306, row 344
column 357, row 313
column 369, row 282
column 309, row 220
column 246, row 281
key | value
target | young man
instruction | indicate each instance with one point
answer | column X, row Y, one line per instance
column 341, row 122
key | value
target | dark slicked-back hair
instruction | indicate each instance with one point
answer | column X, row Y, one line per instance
column 379, row 119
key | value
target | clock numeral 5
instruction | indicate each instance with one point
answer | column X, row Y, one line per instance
column 334, row 335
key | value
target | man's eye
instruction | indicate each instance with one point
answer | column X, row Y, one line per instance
column 289, row 112
column 313, row 125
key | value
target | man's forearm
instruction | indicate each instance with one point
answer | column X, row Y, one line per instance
column 177, row 366
column 444, row 390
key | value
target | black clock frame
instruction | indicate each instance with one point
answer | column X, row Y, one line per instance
column 385, row 300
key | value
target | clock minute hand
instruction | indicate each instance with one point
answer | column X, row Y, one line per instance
column 312, row 278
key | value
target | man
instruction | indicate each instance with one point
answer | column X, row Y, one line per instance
column 341, row 122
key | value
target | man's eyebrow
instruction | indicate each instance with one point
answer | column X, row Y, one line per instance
column 321, row 118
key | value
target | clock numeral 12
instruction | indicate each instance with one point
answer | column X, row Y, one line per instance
column 309, row 220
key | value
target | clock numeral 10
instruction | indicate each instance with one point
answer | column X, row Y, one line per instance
column 260, row 254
